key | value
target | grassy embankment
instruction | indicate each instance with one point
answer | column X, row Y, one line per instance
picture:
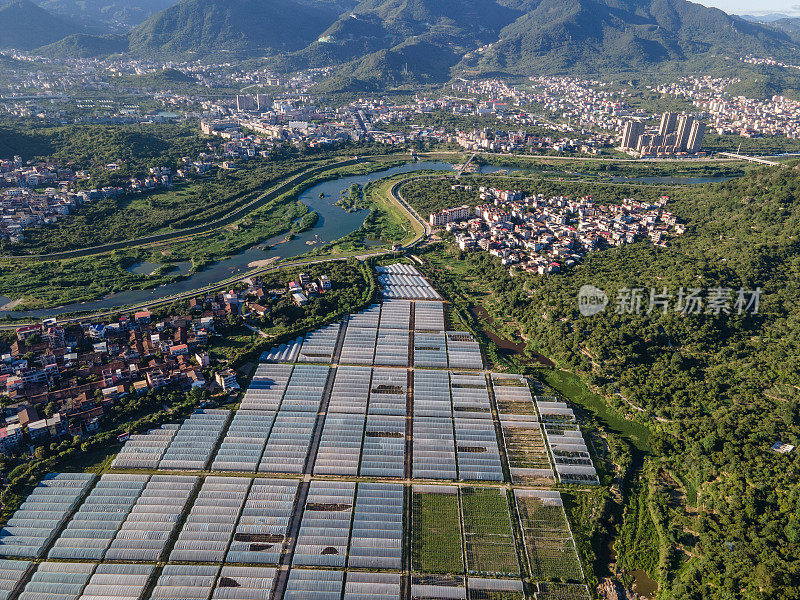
column 53, row 283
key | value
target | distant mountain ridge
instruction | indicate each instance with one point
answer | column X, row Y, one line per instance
column 26, row 26
column 790, row 25
column 118, row 15
column 231, row 27
column 597, row 35
column 378, row 42
column 530, row 37
column 767, row 18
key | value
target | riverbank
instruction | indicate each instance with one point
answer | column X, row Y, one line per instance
column 333, row 223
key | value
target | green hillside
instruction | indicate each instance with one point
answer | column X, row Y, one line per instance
column 82, row 45
column 426, row 38
column 224, row 27
column 121, row 15
column 388, row 42
column 446, row 28
column 26, row 26
column 790, row 25
column 591, row 36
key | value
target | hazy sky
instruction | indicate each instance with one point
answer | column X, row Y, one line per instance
column 748, row 7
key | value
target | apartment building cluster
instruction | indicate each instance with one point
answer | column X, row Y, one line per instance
column 294, row 120
column 504, row 141
column 36, row 195
column 777, row 116
column 542, row 235
column 583, row 103
column 298, row 119
column 736, row 114
column 757, row 60
column 677, row 135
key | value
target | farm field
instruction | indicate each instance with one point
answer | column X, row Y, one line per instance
column 489, row 540
column 436, row 532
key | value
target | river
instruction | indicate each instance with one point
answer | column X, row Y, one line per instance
column 334, row 223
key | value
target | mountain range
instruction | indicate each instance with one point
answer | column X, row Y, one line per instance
column 766, row 18
column 118, row 15
column 26, row 26
column 231, row 27
column 375, row 42
column 790, row 25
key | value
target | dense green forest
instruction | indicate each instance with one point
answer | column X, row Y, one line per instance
column 716, row 390
column 90, row 147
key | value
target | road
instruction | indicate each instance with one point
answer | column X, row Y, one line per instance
column 753, row 159
column 463, row 168
column 172, row 236
column 257, row 331
column 433, row 155
column 393, row 196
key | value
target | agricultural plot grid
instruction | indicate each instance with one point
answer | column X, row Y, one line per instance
column 374, row 458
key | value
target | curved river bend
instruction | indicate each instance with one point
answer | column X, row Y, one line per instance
column 334, row 223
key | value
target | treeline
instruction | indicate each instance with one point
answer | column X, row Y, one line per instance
column 134, row 148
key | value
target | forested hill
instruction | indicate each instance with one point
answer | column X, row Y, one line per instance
column 592, row 36
column 232, row 27
column 24, row 25
column 718, row 391
column 384, row 38
column 120, row 15
column 728, row 386
column 379, row 42
column 790, row 25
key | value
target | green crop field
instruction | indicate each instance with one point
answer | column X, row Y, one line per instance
column 551, row 550
column 562, row 591
column 495, row 595
column 487, row 531
column 436, row 534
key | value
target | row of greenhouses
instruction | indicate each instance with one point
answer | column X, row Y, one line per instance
column 460, row 533
column 573, row 463
column 86, row 581
column 34, row 525
column 185, row 447
column 405, row 281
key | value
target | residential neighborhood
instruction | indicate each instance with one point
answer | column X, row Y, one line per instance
column 542, row 235
column 61, row 379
